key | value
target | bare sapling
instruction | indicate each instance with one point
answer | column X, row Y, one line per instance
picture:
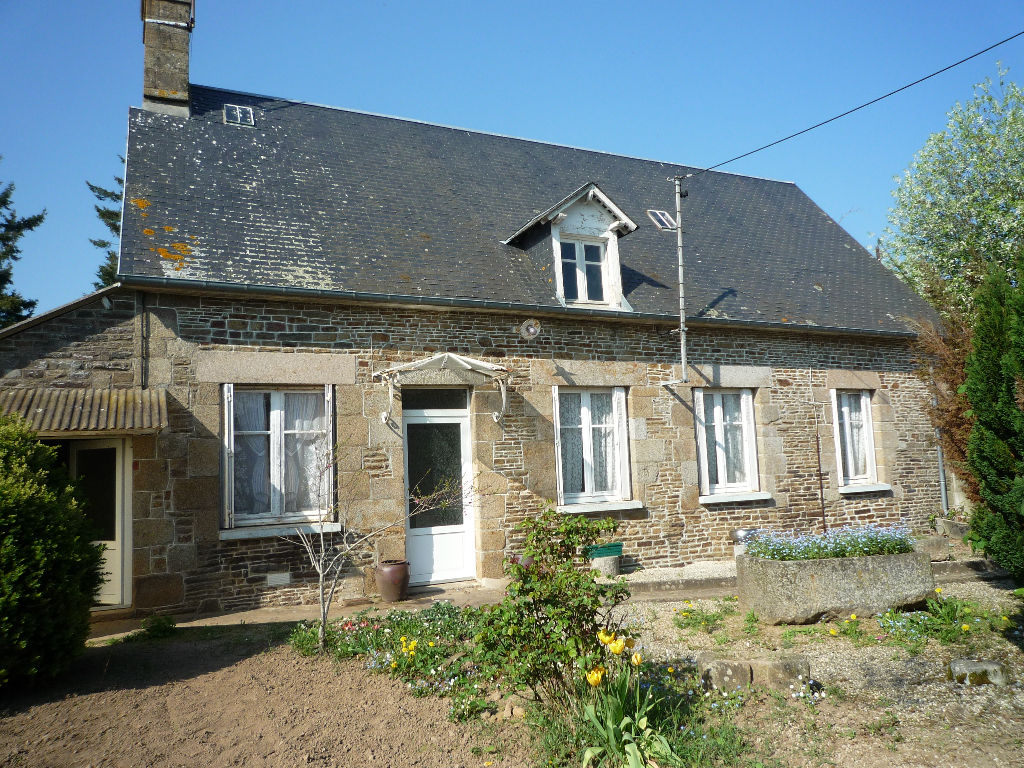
column 331, row 548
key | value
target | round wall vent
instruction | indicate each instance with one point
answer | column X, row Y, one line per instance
column 530, row 329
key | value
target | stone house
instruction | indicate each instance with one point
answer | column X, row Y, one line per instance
column 440, row 303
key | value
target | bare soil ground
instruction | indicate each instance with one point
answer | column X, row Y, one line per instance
column 237, row 696
column 222, row 696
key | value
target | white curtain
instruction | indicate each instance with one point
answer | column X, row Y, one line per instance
column 252, row 466
column 306, row 465
column 602, row 429
column 571, row 437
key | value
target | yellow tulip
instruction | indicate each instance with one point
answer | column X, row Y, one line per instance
column 595, row 676
column 670, row 670
column 605, row 636
column 636, row 659
column 630, row 642
column 617, row 646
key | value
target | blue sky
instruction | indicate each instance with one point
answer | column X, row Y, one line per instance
column 688, row 82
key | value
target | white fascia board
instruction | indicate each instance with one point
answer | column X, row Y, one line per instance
column 591, row 191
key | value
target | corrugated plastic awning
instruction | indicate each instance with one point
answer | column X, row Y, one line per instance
column 64, row 412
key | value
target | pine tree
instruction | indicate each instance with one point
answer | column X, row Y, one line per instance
column 110, row 215
column 13, row 306
column 995, row 449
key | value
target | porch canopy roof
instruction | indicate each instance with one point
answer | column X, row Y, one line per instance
column 445, row 368
column 53, row 412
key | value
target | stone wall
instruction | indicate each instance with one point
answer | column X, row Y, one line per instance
column 182, row 561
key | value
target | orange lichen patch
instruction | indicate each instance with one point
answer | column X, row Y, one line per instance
column 424, row 236
column 193, row 237
column 148, row 232
column 141, row 203
column 177, row 258
column 168, row 228
column 144, row 214
column 183, row 248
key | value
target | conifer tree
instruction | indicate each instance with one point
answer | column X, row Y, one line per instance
column 995, row 449
column 110, row 215
column 13, row 306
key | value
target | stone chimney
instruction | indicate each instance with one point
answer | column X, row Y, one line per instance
column 166, row 32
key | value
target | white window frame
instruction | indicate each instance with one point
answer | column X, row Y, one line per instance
column 752, row 483
column 276, row 513
column 623, row 488
column 843, row 438
column 581, row 269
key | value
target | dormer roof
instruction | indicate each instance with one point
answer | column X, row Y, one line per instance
column 590, row 193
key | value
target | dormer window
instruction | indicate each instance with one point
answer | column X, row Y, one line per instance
column 585, row 229
column 583, row 270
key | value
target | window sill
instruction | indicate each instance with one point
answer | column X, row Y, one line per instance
column 599, row 506
column 846, row 490
column 734, row 498
column 268, row 531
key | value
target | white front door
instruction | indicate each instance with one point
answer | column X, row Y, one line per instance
column 98, row 466
column 439, row 541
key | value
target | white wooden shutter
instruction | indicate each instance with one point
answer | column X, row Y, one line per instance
column 702, row 448
column 332, row 451
column 622, row 442
column 558, row 444
column 838, row 437
column 750, row 440
column 229, row 455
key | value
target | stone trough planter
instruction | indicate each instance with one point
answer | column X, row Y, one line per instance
column 952, row 528
column 804, row 591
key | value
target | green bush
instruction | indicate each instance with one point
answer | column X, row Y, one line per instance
column 49, row 570
column 995, row 449
column 544, row 635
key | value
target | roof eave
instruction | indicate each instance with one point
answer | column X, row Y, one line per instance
column 63, row 309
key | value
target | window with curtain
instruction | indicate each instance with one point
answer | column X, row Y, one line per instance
column 593, row 452
column 725, row 440
column 853, row 432
column 278, row 446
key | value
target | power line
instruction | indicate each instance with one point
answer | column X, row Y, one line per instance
column 862, row 106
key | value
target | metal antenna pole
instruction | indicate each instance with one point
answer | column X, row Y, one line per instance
column 684, row 375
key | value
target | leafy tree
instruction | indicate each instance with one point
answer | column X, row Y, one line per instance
column 13, row 306
column 958, row 207
column 995, row 450
column 956, row 214
column 49, row 569
column 110, row 215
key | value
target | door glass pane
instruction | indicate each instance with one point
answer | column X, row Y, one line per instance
column 571, row 438
column 96, row 469
column 304, row 411
column 710, row 449
column 306, row 473
column 252, row 411
column 424, row 399
column 435, row 467
column 252, row 475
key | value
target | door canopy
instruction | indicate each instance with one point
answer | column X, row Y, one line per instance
column 445, row 361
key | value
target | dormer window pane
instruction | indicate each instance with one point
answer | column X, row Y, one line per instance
column 582, row 271
column 569, row 271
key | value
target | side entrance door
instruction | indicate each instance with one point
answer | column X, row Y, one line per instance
column 439, row 540
column 99, row 467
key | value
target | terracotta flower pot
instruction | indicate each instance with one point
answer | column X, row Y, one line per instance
column 392, row 580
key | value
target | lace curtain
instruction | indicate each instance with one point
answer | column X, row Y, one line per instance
column 252, row 453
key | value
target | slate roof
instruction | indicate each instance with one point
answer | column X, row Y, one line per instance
column 341, row 201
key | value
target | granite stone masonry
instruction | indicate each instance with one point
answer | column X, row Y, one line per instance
column 183, row 558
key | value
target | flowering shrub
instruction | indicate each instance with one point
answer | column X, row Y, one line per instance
column 853, row 541
column 545, row 631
